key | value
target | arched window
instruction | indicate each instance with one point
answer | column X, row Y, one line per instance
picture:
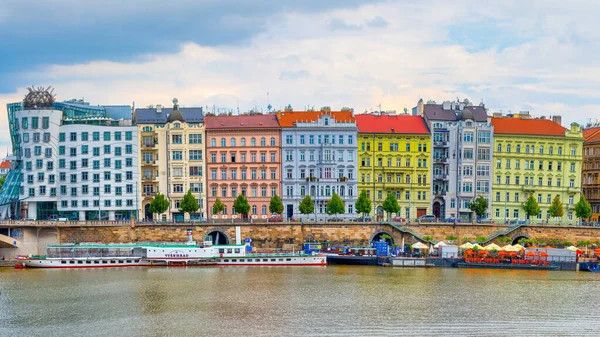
column 327, row 191
column 518, row 148
column 508, row 148
column 213, row 142
column 243, row 142
column 272, row 141
column 541, row 149
column 254, row 209
column 147, row 129
column 264, row 210
column 312, row 191
column 263, row 141
column 326, row 121
column 527, row 149
column 223, row 142
column 560, row 150
column 342, row 191
column 177, row 125
column 551, row 150
column 350, row 191
column 379, row 178
column 232, row 142
column 252, row 141
column 302, row 190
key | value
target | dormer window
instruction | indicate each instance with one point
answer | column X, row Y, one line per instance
column 326, row 121
column 177, row 125
column 469, row 124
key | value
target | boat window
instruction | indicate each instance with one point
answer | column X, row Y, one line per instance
column 241, row 260
column 237, row 250
column 128, row 261
column 233, row 260
column 280, row 259
column 257, row 260
column 88, row 262
column 273, row 260
column 96, row 262
column 63, row 262
column 288, row 259
column 104, row 262
column 221, row 250
column 265, row 260
column 229, row 251
column 113, row 261
column 79, row 262
column 71, row 262
column 121, row 261
column 226, row 260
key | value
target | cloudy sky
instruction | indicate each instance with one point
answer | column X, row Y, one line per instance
column 540, row 56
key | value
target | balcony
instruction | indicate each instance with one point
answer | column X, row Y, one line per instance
column 440, row 143
column 440, row 160
column 149, row 163
column 574, row 189
column 439, row 193
column 440, row 176
column 149, row 178
column 528, row 188
column 149, row 145
column 149, row 193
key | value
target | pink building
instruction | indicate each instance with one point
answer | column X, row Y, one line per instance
column 243, row 156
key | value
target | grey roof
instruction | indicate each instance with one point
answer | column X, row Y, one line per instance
column 149, row 115
column 436, row 112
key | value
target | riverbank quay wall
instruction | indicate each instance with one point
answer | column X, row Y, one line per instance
column 32, row 237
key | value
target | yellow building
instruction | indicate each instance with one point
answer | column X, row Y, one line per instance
column 172, row 149
column 394, row 157
column 539, row 158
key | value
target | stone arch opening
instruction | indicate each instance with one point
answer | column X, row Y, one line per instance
column 518, row 237
column 378, row 236
column 147, row 214
column 218, row 236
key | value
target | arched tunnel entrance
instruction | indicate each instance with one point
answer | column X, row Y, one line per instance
column 218, row 237
column 517, row 238
column 380, row 235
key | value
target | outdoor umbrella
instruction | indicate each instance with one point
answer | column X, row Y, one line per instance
column 508, row 248
column 470, row 252
column 597, row 251
column 483, row 252
column 477, row 246
column 419, row 245
column 466, row 245
column 512, row 253
column 439, row 244
column 579, row 252
column 530, row 254
column 492, row 246
column 502, row 253
column 518, row 247
column 543, row 254
column 572, row 248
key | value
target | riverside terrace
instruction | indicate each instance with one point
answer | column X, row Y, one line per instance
column 31, row 237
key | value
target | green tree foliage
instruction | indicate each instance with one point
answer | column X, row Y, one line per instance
column 390, row 204
column 363, row 204
column 451, row 238
column 479, row 205
column 276, row 206
column 306, row 205
column 218, row 206
column 556, row 208
column 241, row 205
column 335, row 205
column 189, row 203
column 531, row 207
column 481, row 239
column 2, row 179
column 159, row 204
column 583, row 209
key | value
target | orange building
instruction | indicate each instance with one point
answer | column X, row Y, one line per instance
column 591, row 169
column 243, row 156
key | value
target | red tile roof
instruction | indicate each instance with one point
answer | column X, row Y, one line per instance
column 518, row 126
column 243, row 121
column 590, row 133
column 370, row 123
column 593, row 138
column 288, row 118
column 5, row 164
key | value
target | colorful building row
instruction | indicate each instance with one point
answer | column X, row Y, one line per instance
column 101, row 162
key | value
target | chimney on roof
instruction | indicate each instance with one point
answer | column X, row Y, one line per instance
column 158, row 108
column 279, row 114
column 557, row 119
column 497, row 115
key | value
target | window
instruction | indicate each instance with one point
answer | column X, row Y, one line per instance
column 288, row 139
column 177, row 155
column 483, row 154
column 263, row 141
column 195, row 138
column 195, row 171
column 196, row 155
column 468, row 137
column 45, row 122
column 483, row 136
column 176, row 139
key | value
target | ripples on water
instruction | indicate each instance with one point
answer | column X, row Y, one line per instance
column 297, row 301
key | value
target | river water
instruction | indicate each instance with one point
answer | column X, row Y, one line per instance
column 297, row 301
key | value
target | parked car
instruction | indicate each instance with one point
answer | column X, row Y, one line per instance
column 427, row 218
column 452, row 219
column 398, row 219
column 275, row 218
column 334, row 220
column 55, row 217
column 29, row 219
column 363, row 219
column 484, row 220
column 518, row 222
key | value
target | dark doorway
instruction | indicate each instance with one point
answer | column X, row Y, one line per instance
column 290, row 211
column 378, row 236
column 437, row 210
column 148, row 214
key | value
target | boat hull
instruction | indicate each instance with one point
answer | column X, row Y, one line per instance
column 316, row 260
column 505, row 266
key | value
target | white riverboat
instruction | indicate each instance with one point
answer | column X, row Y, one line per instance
column 95, row 255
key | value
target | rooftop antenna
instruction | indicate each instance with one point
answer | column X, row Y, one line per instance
column 238, row 106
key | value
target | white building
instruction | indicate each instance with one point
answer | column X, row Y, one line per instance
column 73, row 169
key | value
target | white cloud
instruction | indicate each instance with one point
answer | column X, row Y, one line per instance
column 301, row 61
